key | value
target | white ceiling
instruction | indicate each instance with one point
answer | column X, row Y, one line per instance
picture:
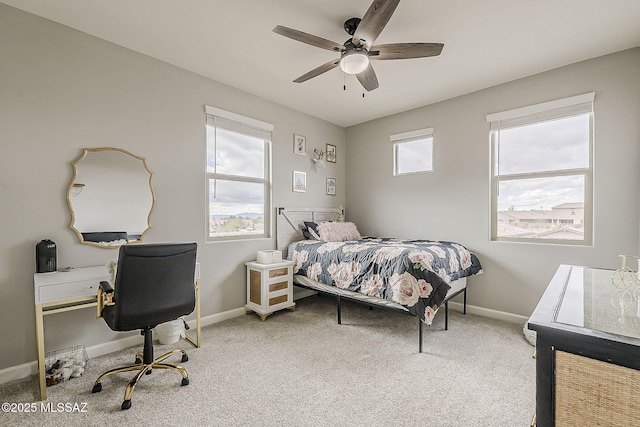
column 487, row 42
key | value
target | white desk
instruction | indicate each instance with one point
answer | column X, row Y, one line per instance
column 75, row 289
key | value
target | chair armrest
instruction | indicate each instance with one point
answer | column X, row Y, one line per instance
column 106, row 287
column 105, row 292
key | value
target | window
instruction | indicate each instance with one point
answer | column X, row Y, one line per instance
column 238, row 176
column 541, row 180
column 412, row 152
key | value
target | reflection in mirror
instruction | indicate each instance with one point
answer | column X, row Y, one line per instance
column 110, row 197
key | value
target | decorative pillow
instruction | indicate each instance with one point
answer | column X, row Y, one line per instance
column 311, row 224
column 338, row 231
column 311, row 231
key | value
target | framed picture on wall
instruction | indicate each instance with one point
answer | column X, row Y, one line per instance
column 331, row 186
column 299, row 144
column 331, row 153
column 299, row 181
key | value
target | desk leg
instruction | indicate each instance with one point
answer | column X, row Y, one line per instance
column 197, row 341
column 40, row 343
column 545, row 382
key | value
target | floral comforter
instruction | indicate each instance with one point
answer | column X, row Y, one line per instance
column 413, row 273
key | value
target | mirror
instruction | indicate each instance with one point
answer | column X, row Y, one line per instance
column 110, row 197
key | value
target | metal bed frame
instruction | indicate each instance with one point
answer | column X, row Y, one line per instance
column 339, row 299
column 288, row 220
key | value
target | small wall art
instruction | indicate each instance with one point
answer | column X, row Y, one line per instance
column 331, row 153
column 331, row 186
column 299, row 181
column 299, row 144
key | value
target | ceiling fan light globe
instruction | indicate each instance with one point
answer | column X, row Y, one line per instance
column 354, row 61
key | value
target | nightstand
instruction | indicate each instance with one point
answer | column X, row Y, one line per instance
column 269, row 287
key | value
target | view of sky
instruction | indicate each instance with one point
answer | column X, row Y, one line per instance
column 235, row 154
column 542, row 147
column 547, row 146
column 414, row 156
column 233, row 197
column 540, row 193
column 552, row 145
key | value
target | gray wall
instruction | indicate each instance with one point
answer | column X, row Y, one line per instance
column 452, row 203
column 61, row 91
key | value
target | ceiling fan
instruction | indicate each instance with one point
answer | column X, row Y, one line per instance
column 356, row 52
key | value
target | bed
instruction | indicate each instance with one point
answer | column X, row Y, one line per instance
column 416, row 277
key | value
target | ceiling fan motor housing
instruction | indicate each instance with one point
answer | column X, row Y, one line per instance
column 350, row 25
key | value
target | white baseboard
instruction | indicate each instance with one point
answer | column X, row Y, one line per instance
column 18, row 371
column 487, row 312
column 218, row 317
column 31, row 368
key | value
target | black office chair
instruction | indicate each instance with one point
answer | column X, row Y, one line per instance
column 154, row 284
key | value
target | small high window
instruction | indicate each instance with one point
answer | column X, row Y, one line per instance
column 412, row 152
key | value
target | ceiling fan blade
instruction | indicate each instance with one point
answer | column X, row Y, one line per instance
column 308, row 38
column 374, row 21
column 368, row 79
column 317, row 71
column 405, row 50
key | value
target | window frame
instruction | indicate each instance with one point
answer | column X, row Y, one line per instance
column 538, row 113
column 411, row 136
column 240, row 122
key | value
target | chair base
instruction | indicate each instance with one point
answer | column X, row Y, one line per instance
column 145, row 369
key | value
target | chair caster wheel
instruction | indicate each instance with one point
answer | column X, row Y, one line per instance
column 138, row 361
column 185, row 358
column 97, row 388
column 126, row 404
column 185, row 381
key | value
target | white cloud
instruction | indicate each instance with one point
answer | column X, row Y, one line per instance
column 540, row 193
column 234, row 154
column 553, row 145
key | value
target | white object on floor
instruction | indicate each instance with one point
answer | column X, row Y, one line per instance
column 529, row 335
column 170, row 332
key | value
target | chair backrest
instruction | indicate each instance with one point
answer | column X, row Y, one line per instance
column 154, row 284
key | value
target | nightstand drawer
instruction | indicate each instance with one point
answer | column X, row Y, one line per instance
column 278, row 300
column 275, row 287
column 279, row 272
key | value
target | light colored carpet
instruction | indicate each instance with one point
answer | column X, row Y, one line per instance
column 303, row 369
